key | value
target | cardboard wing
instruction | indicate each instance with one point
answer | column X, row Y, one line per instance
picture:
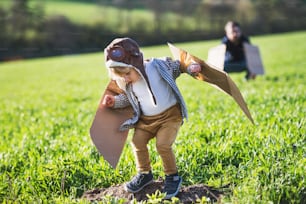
column 216, row 56
column 253, row 59
column 104, row 130
column 213, row 76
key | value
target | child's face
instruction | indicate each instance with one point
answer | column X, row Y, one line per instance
column 131, row 76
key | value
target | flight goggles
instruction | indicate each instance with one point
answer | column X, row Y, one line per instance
column 117, row 53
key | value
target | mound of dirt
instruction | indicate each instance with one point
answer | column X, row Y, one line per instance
column 187, row 194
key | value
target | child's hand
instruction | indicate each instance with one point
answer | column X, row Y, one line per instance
column 108, row 101
column 194, row 68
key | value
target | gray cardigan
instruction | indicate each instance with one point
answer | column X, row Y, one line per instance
column 169, row 70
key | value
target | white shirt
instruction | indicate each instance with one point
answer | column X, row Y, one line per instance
column 162, row 92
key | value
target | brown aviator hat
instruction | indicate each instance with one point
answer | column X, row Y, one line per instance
column 124, row 51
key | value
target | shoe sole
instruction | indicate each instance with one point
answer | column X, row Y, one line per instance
column 169, row 196
column 131, row 191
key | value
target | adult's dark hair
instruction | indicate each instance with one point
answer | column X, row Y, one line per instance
column 231, row 24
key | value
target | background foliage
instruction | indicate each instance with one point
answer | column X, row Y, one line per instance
column 31, row 28
column 47, row 106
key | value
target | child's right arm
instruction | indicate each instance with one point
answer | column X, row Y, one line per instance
column 108, row 101
column 118, row 101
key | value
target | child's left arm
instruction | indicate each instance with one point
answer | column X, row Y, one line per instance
column 194, row 68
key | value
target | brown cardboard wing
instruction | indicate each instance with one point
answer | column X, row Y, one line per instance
column 216, row 56
column 253, row 59
column 213, row 76
column 104, row 130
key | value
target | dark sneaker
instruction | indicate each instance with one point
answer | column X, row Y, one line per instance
column 172, row 186
column 249, row 76
column 138, row 182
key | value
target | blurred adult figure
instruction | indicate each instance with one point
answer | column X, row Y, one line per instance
column 235, row 59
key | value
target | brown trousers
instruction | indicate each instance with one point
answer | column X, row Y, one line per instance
column 164, row 127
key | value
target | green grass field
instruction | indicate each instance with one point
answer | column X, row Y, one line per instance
column 47, row 106
column 92, row 13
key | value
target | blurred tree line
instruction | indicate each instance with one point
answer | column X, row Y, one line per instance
column 29, row 32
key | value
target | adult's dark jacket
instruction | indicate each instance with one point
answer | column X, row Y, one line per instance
column 236, row 51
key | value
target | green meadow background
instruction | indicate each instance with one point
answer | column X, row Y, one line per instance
column 47, row 106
